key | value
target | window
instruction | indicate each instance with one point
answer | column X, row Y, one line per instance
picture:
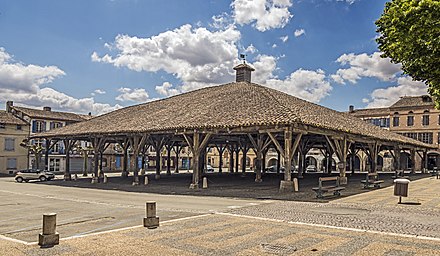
column 395, row 121
column 2, row 126
column 425, row 137
column 12, row 164
column 425, row 118
column 19, row 127
column 411, row 135
column 38, row 126
column 9, row 144
column 410, row 119
column 54, row 125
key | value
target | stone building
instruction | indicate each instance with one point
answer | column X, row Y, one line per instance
column 13, row 131
column 37, row 121
column 412, row 116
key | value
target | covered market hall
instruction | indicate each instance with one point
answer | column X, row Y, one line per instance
column 236, row 117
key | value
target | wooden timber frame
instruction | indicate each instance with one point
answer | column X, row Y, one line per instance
column 289, row 140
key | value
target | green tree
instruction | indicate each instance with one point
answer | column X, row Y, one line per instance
column 410, row 35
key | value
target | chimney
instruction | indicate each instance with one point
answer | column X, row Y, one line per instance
column 90, row 113
column 9, row 105
column 243, row 73
column 351, row 108
column 47, row 108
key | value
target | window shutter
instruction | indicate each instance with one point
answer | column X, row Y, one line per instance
column 34, row 126
column 44, row 126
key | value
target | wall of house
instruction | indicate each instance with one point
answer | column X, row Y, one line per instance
column 18, row 153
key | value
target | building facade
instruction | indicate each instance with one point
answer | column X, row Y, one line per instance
column 412, row 116
column 13, row 131
column 38, row 121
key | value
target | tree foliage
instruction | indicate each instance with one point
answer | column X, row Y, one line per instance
column 410, row 35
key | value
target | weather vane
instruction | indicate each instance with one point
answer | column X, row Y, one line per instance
column 243, row 58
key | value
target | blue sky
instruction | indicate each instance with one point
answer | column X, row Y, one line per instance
column 96, row 56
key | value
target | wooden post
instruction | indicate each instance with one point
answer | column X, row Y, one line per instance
column 177, row 149
column 168, row 148
column 46, row 155
column 231, row 158
column 259, row 146
column 244, row 150
column 125, row 145
column 68, row 144
column 221, row 150
column 278, row 161
column 237, row 155
column 397, row 158
column 197, row 144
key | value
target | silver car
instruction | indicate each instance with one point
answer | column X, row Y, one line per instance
column 33, row 174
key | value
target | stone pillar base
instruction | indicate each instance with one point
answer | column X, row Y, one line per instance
column 258, row 180
column 67, row 177
column 343, row 180
column 95, row 180
column 48, row 240
column 193, row 186
column 286, row 186
column 157, row 176
column 151, row 222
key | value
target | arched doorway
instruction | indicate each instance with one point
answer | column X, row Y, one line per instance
column 433, row 158
column 357, row 163
column 271, row 162
column 405, row 161
column 310, row 160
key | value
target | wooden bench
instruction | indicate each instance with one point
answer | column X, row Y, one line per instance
column 321, row 189
column 372, row 180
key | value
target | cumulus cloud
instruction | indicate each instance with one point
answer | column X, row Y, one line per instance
column 284, row 38
column 311, row 85
column 167, row 89
column 263, row 14
column 22, row 84
column 385, row 97
column 364, row 65
column 58, row 101
column 196, row 56
column 135, row 95
column 99, row 91
column 251, row 49
column 299, row 32
column 17, row 77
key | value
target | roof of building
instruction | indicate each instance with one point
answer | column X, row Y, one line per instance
column 414, row 101
column 370, row 112
column 8, row 118
column 45, row 114
column 230, row 105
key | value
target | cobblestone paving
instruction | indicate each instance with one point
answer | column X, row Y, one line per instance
column 376, row 210
column 229, row 235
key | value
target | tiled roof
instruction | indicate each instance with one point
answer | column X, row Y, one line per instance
column 370, row 112
column 226, row 106
column 414, row 101
column 8, row 118
column 44, row 114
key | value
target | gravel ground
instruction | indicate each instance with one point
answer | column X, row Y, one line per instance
column 230, row 185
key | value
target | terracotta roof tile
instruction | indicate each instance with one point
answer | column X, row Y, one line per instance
column 8, row 118
column 43, row 114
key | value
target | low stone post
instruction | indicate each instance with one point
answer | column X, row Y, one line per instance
column 136, row 181
column 151, row 221
column 105, row 179
column 75, row 177
column 205, row 182
column 49, row 237
column 146, row 180
column 295, row 184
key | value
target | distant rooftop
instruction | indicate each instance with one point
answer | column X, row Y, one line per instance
column 8, row 118
column 47, row 113
column 414, row 101
column 370, row 112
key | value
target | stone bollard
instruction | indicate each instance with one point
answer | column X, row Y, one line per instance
column 49, row 237
column 151, row 221
column 105, row 179
column 75, row 177
column 146, row 180
column 135, row 181
column 94, row 180
column 205, row 182
column 295, row 184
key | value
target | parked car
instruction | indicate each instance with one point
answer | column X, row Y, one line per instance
column 33, row 174
column 209, row 168
column 311, row 168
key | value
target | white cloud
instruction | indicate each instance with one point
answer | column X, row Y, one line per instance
column 274, row 46
column 284, row 38
column 251, row 49
column 22, row 84
column 197, row 57
column 167, row 89
column 348, row 1
column 364, row 65
column 385, row 97
column 135, row 95
column 17, row 77
column 264, row 14
column 306, row 84
column 58, row 101
column 98, row 91
column 299, row 32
